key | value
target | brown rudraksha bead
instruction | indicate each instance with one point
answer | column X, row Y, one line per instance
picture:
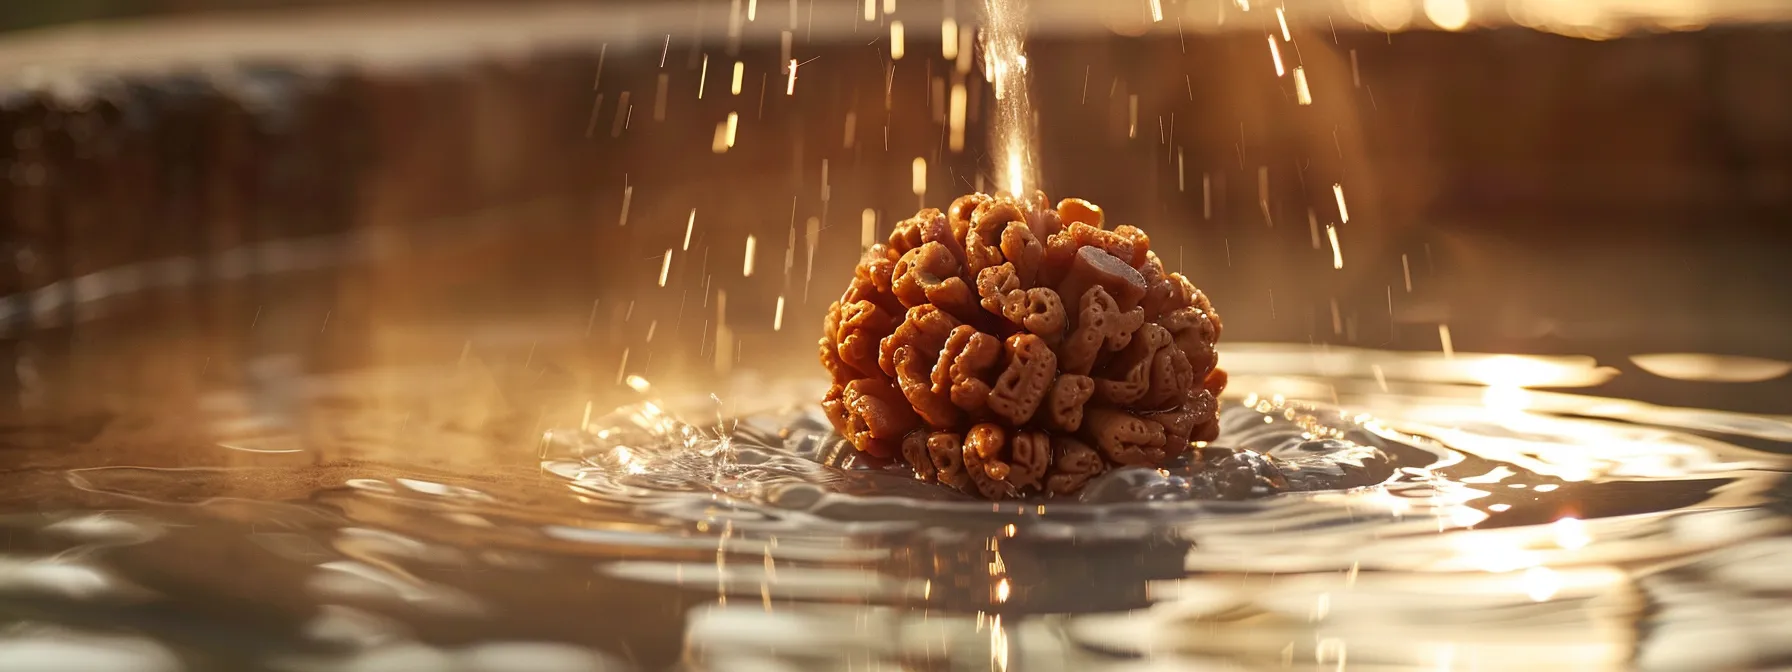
column 1006, row 348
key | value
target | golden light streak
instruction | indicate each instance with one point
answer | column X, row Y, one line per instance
column 998, row 645
column 955, row 118
column 965, row 50
column 1331, row 232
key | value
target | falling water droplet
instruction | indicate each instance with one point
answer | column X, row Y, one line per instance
column 702, row 76
column 1331, row 232
column 1179, row 174
column 628, row 194
column 1206, row 196
column 867, row 228
column 746, row 269
column 1132, row 117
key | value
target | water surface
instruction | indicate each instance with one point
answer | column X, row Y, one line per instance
column 1400, row 511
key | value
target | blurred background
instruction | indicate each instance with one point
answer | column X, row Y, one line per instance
column 372, row 255
column 224, row 195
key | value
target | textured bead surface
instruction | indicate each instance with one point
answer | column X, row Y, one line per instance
column 1008, row 348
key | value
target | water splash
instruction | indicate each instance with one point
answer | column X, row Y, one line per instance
column 792, row 460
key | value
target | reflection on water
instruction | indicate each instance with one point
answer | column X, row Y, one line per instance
column 1376, row 510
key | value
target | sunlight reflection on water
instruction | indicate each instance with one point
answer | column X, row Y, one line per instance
column 1460, row 518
